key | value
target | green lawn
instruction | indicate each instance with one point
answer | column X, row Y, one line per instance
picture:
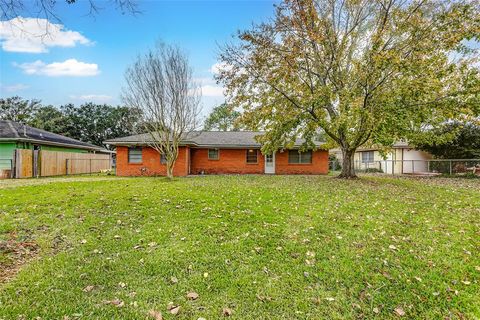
column 278, row 247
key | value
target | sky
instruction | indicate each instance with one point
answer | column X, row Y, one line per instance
column 85, row 57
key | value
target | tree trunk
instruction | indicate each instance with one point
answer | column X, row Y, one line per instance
column 170, row 170
column 348, row 168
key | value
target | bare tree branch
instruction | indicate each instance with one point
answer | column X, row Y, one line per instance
column 160, row 84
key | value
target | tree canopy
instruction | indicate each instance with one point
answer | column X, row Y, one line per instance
column 464, row 145
column 363, row 71
column 223, row 118
column 17, row 109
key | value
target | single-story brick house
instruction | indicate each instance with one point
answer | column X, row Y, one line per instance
column 217, row 152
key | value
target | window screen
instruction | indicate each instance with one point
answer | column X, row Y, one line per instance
column 252, row 156
column 213, row 154
column 367, row 156
column 135, row 155
column 296, row 157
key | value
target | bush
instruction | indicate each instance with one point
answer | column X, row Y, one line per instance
column 373, row 170
column 333, row 163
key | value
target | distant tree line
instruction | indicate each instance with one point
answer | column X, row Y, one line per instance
column 89, row 122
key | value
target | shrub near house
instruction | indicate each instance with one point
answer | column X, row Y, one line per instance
column 209, row 152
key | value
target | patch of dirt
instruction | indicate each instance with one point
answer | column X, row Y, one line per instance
column 14, row 254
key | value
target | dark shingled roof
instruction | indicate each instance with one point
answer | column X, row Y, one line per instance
column 14, row 131
column 232, row 139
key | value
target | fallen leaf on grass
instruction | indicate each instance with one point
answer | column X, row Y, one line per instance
column 192, row 295
column 88, row 288
column 263, row 298
column 157, row 315
column 173, row 309
column 376, row 310
column 399, row 311
column 227, row 312
column 116, row 302
column 173, row 280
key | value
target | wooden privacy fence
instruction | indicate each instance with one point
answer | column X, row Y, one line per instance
column 90, row 165
column 55, row 163
column 45, row 163
column 23, row 163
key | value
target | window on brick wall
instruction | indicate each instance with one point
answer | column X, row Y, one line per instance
column 163, row 158
column 135, row 155
column 297, row 157
column 252, row 156
column 213, row 154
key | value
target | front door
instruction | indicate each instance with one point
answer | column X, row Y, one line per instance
column 270, row 163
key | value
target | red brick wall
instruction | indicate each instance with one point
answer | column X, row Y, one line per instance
column 230, row 161
column 319, row 164
column 151, row 165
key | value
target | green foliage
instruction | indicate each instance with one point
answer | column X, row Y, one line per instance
column 373, row 170
column 17, row 109
column 50, row 119
column 464, row 145
column 94, row 123
column 362, row 71
column 223, row 118
column 334, row 163
column 268, row 247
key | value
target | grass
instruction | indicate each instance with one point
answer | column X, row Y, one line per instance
column 266, row 247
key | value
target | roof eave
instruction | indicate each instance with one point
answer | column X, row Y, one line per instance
column 51, row 143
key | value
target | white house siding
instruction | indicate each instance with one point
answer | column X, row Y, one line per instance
column 394, row 159
column 415, row 161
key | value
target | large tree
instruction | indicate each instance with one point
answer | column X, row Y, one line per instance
column 363, row 71
column 18, row 109
column 464, row 145
column 49, row 118
column 223, row 118
column 160, row 84
column 95, row 123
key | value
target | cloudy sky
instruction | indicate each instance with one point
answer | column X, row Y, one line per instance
column 83, row 58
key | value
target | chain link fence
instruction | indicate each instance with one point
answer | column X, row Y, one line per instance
column 430, row 167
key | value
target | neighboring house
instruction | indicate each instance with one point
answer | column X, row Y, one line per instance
column 209, row 152
column 15, row 136
column 402, row 159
